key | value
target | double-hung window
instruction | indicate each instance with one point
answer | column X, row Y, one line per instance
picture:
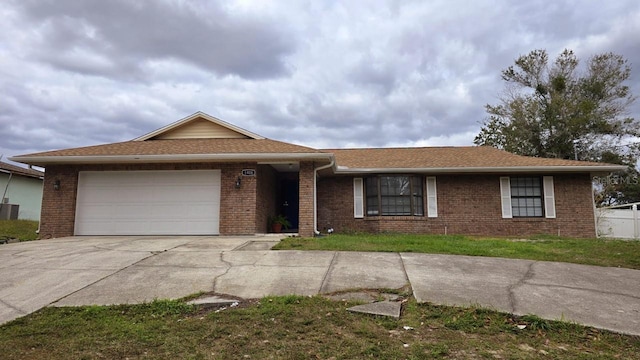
column 527, row 196
column 394, row 196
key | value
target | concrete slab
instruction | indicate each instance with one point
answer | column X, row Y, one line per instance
column 108, row 270
column 249, row 281
column 212, row 301
column 608, row 279
column 81, row 258
column 360, row 296
column 363, row 296
column 185, row 259
column 8, row 313
column 364, row 270
column 604, row 297
column 137, row 284
column 382, row 308
column 257, row 245
column 146, row 243
column 27, row 290
column 216, row 243
column 285, row 258
column 605, row 310
column 254, row 274
column 464, row 280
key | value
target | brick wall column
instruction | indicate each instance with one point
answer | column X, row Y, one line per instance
column 305, row 215
column 58, row 214
column 238, row 206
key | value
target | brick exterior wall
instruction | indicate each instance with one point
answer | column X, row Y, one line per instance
column 266, row 205
column 305, row 212
column 58, row 213
column 467, row 204
column 237, row 206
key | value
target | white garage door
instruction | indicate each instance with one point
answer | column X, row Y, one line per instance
column 148, row 203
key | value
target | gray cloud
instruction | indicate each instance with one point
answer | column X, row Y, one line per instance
column 116, row 38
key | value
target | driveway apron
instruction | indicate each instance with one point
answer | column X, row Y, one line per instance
column 117, row 270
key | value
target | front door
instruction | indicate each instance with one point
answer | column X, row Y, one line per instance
column 289, row 203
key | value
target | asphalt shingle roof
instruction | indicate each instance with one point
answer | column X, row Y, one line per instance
column 469, row 157
column 182, row 146
column 20, row 170
column 442, row 157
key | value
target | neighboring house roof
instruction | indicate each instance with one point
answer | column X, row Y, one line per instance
column 454, row 160
column 201, row 137
column 16, row 170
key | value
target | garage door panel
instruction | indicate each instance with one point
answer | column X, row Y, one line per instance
column 196, row 210
column 148, row 202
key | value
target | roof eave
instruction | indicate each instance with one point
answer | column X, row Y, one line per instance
column 485, row 170
column 167, row 158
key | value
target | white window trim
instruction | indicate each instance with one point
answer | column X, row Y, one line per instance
column 432, row 197
column 358, row 198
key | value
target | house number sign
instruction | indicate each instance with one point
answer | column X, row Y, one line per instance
column 248, row 172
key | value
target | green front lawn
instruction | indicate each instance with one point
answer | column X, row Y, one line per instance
column 294, row 327
column 617, row 253
column 22, row 230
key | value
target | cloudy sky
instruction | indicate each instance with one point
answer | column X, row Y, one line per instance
column 316, row 73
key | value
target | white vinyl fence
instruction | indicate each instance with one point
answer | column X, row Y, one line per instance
column 620, row 221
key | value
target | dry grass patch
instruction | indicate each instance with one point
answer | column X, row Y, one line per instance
column 293, row 327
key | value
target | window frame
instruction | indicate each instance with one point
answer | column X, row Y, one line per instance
column 541, row 196
column 416, row 202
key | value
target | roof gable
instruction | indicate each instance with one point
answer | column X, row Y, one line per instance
column 199, row 126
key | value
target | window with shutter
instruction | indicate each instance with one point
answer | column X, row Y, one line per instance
column 527, row 196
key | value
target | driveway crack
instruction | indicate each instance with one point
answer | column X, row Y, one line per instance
column 513, row 302
column 228, row 265
column 13, row 307
column 404, row 270
column 323, row 284
column 151, row 254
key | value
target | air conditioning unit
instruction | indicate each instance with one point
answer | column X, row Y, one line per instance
column 9, row 211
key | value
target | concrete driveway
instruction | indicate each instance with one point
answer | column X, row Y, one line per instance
column 115, row 270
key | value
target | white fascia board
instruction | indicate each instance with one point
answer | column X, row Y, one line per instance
column 168, row 158
column 194, row 116
column 486, row 170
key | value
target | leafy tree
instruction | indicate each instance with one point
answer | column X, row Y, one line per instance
column 622, row 187
column 561, row 110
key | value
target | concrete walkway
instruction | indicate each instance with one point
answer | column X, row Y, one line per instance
column 116, row 270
